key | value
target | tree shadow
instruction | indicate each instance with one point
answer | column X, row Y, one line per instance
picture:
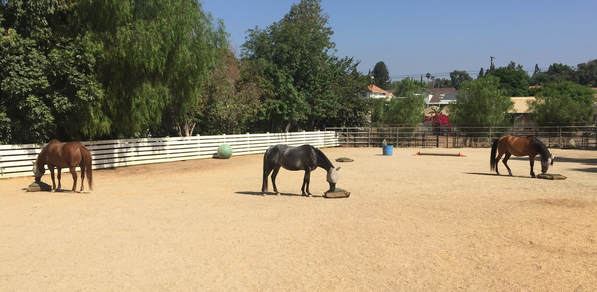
column 500, row 175
column 590, row 169
column 587, row 161
column 260, row 194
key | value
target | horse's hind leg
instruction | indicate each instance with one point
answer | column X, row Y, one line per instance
column 274, row 174
column 82, row 177
column 266, row 171
column 506, row 157
column 51, row 167
column 59, row 173
column 73, row 172
column 497, row 163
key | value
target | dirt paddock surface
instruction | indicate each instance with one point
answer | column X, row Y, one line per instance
column 411, row 223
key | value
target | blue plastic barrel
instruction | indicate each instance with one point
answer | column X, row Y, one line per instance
column 388, row 149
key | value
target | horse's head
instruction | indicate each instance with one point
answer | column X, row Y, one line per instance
column 38, row 170
column 332, row 177
column 546, row 162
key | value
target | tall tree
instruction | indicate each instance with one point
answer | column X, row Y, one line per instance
column 537, row 69
column 555, row 73
column 293, row 56
column 156, row 61
column 563, row 103
column 458, row 77
column 405, row 111
column 232, row 97
column 513, row 79
column 481, row 73
column 407, row 87
column 481, row 103
column 47, row 75
column 381, row 76
column 586, row 73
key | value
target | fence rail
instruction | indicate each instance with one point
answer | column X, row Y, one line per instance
column 582, row 137
column 16, row 160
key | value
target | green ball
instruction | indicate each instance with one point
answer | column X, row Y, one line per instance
column 224, row 151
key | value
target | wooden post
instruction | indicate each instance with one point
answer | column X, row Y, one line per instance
column 397, row 136
column 369, row 138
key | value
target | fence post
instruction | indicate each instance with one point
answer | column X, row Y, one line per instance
column 369, row 138
column 397, row 136
column 560, row 134
column 490, row 132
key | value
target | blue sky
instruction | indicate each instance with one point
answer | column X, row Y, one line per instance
column 414, row 37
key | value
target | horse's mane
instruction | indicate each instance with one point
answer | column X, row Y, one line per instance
column 541, row 148
column 325, row 162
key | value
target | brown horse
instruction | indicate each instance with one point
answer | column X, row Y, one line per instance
column 62, row 155
column 520, row 146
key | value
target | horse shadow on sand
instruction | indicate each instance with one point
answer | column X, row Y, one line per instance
column 500, row 175
column 268, row 194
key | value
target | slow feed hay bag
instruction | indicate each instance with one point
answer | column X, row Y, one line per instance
column 337, row 193
column 553, row 176
column 39, row 186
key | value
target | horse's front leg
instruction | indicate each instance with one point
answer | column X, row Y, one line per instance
column 532, row 162
column 59, row 173
column 73, row 172
column 274, row 174
column 306, row 181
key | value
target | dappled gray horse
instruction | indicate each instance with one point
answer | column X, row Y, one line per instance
column 305, row 157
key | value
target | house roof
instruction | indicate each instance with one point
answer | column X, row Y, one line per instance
column 376, row 89
column 438, row 93
column 522, row 104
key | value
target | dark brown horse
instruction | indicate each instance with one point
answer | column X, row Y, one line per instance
column 64, row 155
column 520, row 146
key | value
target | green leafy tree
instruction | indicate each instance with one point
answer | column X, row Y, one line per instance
column 299, row 73
column 458, row 77
column 563, row 103
column 405, row 111
column 481, row 73
column 381, row 76
column 481, row 103
column 407, row 87
column 586, row 73
column 555, row 73
column 512, row 79
column 48, row 87
column 441, row 83
column 233, row 97
column 155, row 64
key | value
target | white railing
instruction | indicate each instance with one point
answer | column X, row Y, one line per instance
column 16, row 160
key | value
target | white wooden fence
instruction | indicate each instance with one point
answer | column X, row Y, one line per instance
column 16, row 160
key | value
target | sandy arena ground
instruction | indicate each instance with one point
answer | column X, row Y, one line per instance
column 411, row 223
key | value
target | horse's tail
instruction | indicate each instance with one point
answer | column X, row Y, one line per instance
column 492, row 160
column 87, row 161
